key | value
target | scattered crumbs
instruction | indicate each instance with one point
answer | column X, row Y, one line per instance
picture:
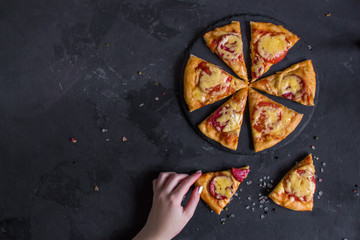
column 156, row 99
column 328, row 14
column 316, row 137
column 107, row 45
column 142, row 104
column 96, row 188
column 74, row 162
column 226, row 209
column 222, row 223
column 73, row 140
column 139, row 72
column 104, row 130
column 156, row 84
column 310, row 47
column 312, row 147
column 262, row 216
column 124, row 139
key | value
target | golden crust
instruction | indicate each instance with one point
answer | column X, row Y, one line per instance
column 211, row 38
column 279, row 196
column 205, row 180
column 264, row 142
column 229, row 139
column 190, row 84
column 256, row 28
column 304, row 70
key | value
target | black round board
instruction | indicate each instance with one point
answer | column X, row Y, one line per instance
column 299, row 52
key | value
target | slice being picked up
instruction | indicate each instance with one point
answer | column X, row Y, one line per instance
column 227, row 43
column 296, row 83
column 205, row 83
column 224, row 124
column 296, row 190
column 271, row 122
column 219, row 187
column 269, row 45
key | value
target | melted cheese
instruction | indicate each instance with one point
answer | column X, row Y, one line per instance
column 231, row 42
column 230, row 119
column 301, row 185
column 206, row 82
column 258, row 66
column 290, row 84
column 271, row 46
column 223, row 186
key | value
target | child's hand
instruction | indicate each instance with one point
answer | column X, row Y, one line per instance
column 167, row 217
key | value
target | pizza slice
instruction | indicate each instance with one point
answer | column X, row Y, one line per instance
column 205, row 83
column 219, row 187
column 227, row 43
column 269, row 45
column 270, row 121
column 297, row 83
column 224, row 124
column 296, row 189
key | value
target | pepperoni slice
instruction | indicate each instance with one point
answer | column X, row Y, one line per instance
column 240, row 174
column 221, row 187
column 260, row 125
column 230, row 46
column 292, row 87
column 204, row 68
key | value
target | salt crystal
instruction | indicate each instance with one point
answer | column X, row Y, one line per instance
column 247, row 207
column 249, row 198
column 321, row 170
column 262, row 216
column 320, row 193
column 253, row 209
column 266, row 208
column 261, row 206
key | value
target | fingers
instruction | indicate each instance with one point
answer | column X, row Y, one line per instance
column 159, row 182
column 190, row 207
column 173, row 181
column 185, row 185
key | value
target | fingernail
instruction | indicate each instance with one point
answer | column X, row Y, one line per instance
column 198, row 171
column 200, row 189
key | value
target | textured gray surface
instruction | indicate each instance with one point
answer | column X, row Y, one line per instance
column 59, row 79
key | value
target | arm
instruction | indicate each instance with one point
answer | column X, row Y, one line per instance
column 167, row 217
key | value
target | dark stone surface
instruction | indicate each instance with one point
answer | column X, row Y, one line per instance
column 70, row 69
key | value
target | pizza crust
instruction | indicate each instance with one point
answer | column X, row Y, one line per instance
column 267, row 141
column 190, row 84
column 304, row 70
column 227, row 139
column 257, row 27
column 212, row 38
column 279, row 196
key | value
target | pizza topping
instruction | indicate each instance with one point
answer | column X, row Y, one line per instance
column 270, row 118
column 240, row 174
column 292, row 87
column 226, row 119
column 211, row 80
column 300, row 184
column 230, row 46
column 272, row 47
column 258, row 67
column 221, row 187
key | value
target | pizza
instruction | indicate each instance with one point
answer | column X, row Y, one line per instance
column 224, row 124
column 206, row 83
column 270, row 121
column 219, row 187
column 296, row 83
column 269, row 45
column 296, row 189
column 227, row 43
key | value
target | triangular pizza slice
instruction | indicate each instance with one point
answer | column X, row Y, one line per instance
column 296, row 189
column 269, row 45
column 219, row 187
column 206, row 83
column 224, row 124
column 270, row 121
column 296, row 83
column 227, row 43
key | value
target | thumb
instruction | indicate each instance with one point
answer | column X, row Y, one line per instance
column 190, row 207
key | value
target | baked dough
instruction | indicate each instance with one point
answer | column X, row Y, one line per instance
column 225, row 123
column 297, row 83
column 270, row 121
column 206, row 83
column 296, row 189
column 226, row 42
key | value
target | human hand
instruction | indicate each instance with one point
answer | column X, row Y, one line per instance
column 167, row 217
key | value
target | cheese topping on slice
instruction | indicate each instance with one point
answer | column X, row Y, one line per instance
column 301, row 184
column 223, row 186
column 230, row 46
column 270, row 47
column 229, row 118
column 291, row 84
